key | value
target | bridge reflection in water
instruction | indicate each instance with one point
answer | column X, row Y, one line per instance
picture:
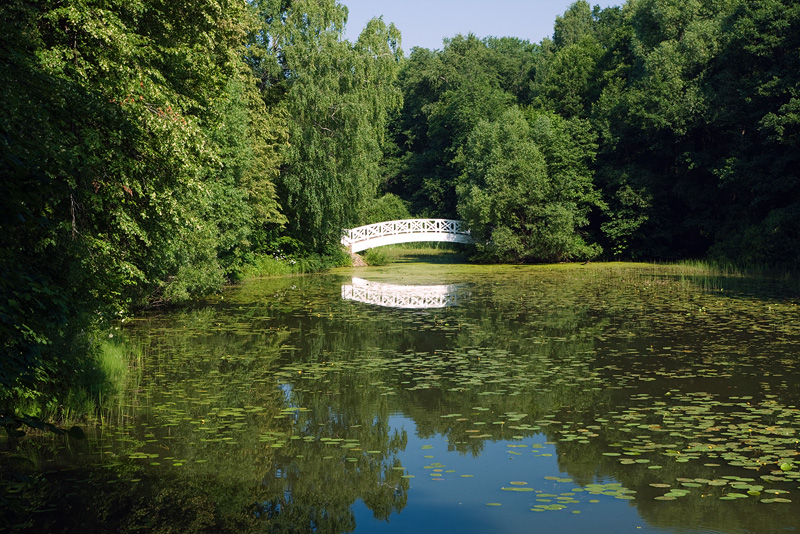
column 402, row 296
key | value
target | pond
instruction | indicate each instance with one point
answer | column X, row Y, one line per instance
column 419, row 397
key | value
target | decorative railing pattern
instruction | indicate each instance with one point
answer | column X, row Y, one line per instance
column 401, row 296
column 405, row 231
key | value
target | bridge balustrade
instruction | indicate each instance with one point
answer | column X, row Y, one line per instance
column 406, row 231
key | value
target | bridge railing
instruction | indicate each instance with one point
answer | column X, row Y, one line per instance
column 402, row 296
column 436, row 229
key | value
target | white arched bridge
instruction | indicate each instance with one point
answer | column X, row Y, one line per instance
column 406, row 231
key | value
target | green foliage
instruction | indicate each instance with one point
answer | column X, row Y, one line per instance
column 338, row 97
column 758, row 125
column 243, row 199
column 694, row 104
column 526, row 189
column 574, row 25
column 565, row 81
column 446, row 95
column 262, row 265
column 565, row 76
column 288, row 256
column 388, row 207
column 513, row 59
column 138, row 161
column 658, row 137
column 376, row 257
column 625, row 214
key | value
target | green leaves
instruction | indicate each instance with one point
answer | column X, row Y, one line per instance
column 446, row 95
column 139, row 161
column 525, row 188
column 337, row 97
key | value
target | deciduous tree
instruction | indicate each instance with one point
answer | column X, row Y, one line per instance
column 526, row 189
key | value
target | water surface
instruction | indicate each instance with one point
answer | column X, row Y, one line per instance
column 594, row 398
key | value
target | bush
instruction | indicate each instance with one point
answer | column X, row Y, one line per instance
column 376, row 257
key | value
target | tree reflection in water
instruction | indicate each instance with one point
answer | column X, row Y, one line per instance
column 275, row 409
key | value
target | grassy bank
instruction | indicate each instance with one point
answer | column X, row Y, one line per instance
column 263, row 265
column 417, row 252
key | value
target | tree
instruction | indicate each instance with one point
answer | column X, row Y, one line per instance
column 565, row 80
column 120, row 165
column 337, row 97
column 447, row 94
column 526, row 190
column 754, row 95
column 576, row 24
column 569, row 72
column 388, row 207
column 652, row 115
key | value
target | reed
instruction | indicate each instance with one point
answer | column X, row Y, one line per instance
column 102, row 387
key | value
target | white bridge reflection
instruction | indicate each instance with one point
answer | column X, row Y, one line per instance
column 401, row 296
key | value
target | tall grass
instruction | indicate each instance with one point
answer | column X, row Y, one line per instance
column 266, row 265
column 113, row 360
column 736, row 269
column 102, row 389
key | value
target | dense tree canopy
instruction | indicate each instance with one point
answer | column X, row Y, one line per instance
column 149, row 149
column 137, row 160
column 688, row 91
column 693, row 106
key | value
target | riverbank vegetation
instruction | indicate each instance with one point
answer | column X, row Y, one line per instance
column 152, row 151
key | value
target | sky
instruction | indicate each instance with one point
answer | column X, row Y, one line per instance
column 426, row 22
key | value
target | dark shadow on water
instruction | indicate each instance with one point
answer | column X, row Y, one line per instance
column 744, row 286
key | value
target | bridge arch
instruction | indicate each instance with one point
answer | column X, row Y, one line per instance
column 406, row 231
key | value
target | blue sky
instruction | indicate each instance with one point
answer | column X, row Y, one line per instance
column 426, row 22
